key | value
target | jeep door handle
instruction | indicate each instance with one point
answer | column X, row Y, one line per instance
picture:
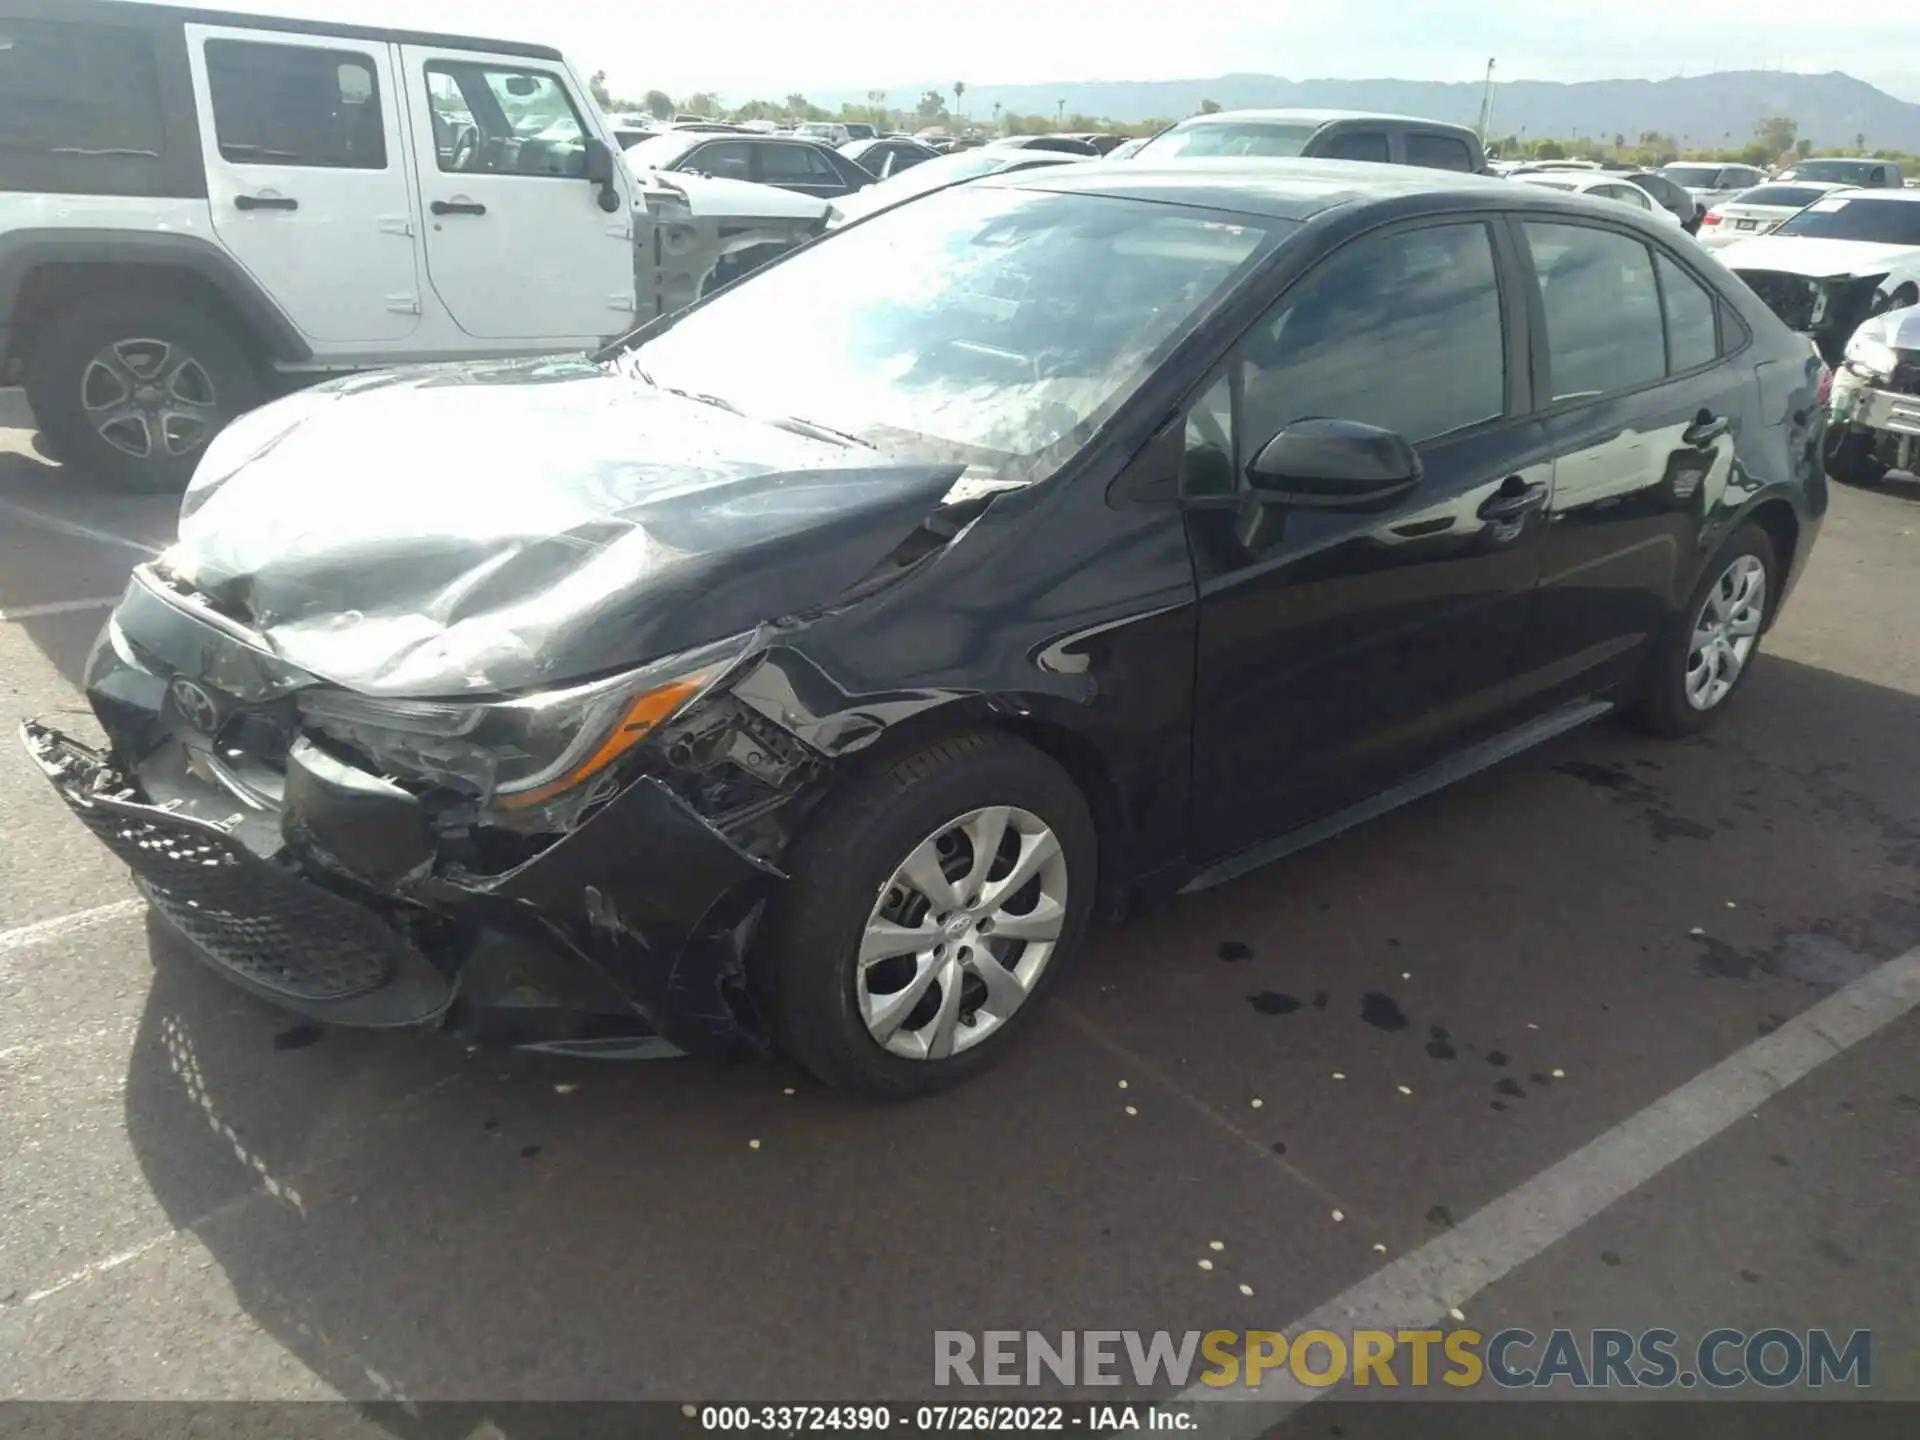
column 264, row 202
column 1513, row 502
column 1705, row 431
column 457, row 207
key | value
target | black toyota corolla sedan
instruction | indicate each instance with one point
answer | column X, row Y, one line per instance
column 811, row 668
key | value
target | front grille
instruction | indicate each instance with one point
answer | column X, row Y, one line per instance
column 1906, row 375
column 281, row 933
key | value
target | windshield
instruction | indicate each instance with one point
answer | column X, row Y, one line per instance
column 991, row 327
column 661, row 152
column 1229, row 137
column 1840, row 172
column 1793, row 196
column 1696, row 177
column 1884, row 222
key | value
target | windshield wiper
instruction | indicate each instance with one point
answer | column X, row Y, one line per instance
column 821, row 432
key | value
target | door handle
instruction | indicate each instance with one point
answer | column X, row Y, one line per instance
column 264, row 202
column 1704, row 431
column 1515, row 500
column 457, row 207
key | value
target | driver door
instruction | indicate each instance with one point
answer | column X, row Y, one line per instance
column 518, row 247
column 1340, row 649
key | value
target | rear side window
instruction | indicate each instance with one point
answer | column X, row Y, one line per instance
column 1691, row 340
column 1438, row 152
column 1354, row 145
column 794, row 162
column 70, row 89
column 727, row 159
column 295, row 105
column 1402, row 331
column 1602, row 307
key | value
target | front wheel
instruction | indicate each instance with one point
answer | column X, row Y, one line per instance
column 1708, row 654
column 927, row 913
column 1849, row 457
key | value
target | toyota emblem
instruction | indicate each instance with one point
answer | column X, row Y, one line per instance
column 196, row 706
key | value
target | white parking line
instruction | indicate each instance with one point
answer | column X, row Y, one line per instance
column 58, row 607
column 1419, row 1289
column 73, row 528
column 60, row 926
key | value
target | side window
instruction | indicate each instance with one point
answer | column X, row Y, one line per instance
column 794, row 162
column 1402, row 331
column 295, row 105
column 1689, row 308
column 1879, row 175
column 1208, row 467
column 1602, row 308
column 1438, row 152
column 728, row 159
column 1633, row 195
column 1355, row 145
column 78, row 90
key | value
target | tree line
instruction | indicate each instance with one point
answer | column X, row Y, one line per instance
column 1776, row 140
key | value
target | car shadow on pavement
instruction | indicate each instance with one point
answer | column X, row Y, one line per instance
column 416, row 1221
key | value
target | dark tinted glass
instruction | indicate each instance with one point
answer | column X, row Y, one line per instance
column 793, row 162
column 1602, row 307
column 1690, row 334
column 1886, row 222
column 1438, row 152
column 1794, row 195
column 1403, row 331
column 1354, row 145
column 729, row 159
column 77, row 89
column 295, row 105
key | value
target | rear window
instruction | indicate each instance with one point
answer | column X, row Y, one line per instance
column 1269, row 138
column 1884, row 222
column 70, row 89
column 1794, row 195
column 1438, row 152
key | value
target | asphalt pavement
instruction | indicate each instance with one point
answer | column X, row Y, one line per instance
column 1630, row 1021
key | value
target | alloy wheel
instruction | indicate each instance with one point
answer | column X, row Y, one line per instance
column 149, row 399
column 961, row 933
column 1725, row 631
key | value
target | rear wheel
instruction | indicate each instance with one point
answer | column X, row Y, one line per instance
column 1708, row 654
column 132, row 389
column 1849, row 457
column 927, row 914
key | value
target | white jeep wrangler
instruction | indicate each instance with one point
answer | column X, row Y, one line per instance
column 200, row 210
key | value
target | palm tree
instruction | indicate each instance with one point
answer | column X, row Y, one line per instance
column 959, row 89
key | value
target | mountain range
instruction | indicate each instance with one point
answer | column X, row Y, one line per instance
column 1712, row 110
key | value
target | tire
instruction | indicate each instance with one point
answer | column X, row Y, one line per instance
column 1849, row 458
column 183, row 373
column 844, row 870
column 1667, row 707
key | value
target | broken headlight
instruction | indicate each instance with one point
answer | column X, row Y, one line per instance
column 1871, row 357
column 518, row 755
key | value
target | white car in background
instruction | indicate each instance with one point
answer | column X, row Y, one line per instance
column 1849, row 256
column 1710, row 182
column 1602, row 186
column 1759, row 211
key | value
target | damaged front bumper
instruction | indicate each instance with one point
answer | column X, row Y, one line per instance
column 1888, row 409
column 323, row 889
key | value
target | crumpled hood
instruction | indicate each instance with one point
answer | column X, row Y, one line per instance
column 465, row 529
column 1814, row 258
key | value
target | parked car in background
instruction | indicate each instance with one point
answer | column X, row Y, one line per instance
column 788, row 161
column 1758, row 211
column 1675, row 199
column 1127, row 149
column 1849, row 255
column 883, row 158
column 1860, row 172
column 941, row 171
column 823, row 131
column 1102, row 142
column 1320, row 135
column 859, row 131
column 826, row 661
column 1709, row 184
column 1065, row 144
column 632, row 129
column 1601, row 186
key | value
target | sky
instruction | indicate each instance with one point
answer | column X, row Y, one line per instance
column 744, row 48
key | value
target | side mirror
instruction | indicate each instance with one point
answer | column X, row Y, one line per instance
column 1334, row 465
column 599, row 163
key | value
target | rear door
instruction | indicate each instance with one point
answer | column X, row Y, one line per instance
column 1352, row 142
column 1644, row 412
column 1342, row 649
column 518, row 247
column 305, row 153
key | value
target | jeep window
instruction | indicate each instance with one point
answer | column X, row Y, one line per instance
column 1438, row 152
column 1228, row 137
column 78, row 90
column 1885, row 222
column 295, row 105
column 492, row 120
column 1355, row 145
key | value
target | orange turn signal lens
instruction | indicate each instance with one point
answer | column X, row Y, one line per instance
column 645, row 714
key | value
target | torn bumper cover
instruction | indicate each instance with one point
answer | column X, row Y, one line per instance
column 633, row 925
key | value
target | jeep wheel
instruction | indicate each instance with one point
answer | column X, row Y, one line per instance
column 131, row 390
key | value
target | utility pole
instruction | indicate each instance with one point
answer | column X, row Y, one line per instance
column 1059, row 114
column 1486, row 107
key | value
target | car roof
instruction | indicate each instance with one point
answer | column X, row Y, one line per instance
column 145, row 12
column 1273, row 188
column 1319, row 117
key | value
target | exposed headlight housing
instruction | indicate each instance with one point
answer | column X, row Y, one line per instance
column 515, row 757
column 1871, row 357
